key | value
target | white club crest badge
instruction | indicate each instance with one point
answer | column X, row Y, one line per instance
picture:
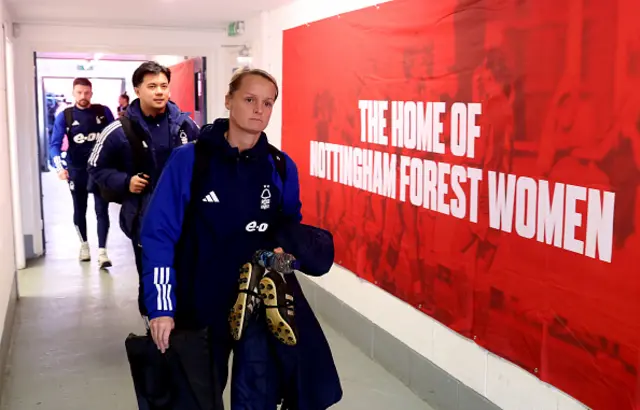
column 265, row 198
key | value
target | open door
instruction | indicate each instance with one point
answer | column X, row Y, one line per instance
column 188, row 88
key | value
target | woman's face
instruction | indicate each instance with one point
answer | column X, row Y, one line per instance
column 251, row 104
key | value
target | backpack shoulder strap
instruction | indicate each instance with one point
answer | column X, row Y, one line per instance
column 135, row 141
column 68, row 118
column 98, row 109
column 279, row 162
column 202, row 154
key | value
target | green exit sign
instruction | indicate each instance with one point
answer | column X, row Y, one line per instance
column 235, row 28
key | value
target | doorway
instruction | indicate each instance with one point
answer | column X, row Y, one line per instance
column 110, row 76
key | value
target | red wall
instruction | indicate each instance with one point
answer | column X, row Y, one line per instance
column 557, row 82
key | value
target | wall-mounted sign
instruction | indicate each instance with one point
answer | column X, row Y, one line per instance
column 235, row 28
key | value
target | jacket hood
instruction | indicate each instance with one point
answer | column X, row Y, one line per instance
column 313, row 247
column 214, row 136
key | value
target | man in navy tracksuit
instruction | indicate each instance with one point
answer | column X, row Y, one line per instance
column 196, row 236
column 128, row 161
column 82, row 124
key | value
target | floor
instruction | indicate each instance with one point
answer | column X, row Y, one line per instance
column 72, row 319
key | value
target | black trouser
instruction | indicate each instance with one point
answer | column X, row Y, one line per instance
column 80, row 189
column 137, row 251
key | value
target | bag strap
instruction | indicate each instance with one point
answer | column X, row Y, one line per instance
column 279, row 162
column 200, row 164
column 68, row 118
column 134, row 136
column 200, row 169
column 98, row 109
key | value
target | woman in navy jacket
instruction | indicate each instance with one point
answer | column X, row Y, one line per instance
column 196, row 236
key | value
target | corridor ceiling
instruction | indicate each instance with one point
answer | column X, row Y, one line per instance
column 192, row 14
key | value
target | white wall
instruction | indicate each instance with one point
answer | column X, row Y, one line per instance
column 501, row 382
column 49, row 67
column 57, row 38
column 13, row 146
column 166, row 60
column 66, row 67
column 8, row 265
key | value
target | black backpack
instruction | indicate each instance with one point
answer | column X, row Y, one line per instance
column 98, row 109
column 134, row 135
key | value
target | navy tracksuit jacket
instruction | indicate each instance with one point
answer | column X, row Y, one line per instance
column 193, row 246
column 85, row 129
column 111, row 162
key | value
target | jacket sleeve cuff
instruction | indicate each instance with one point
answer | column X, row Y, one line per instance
column 160, row 313
column 127, row 183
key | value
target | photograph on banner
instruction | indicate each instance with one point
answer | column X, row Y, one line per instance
column 481, row 161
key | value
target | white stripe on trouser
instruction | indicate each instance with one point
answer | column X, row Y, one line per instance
column 163, row 287
column 79, row 234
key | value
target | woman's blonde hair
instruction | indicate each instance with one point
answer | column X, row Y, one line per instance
column 239, row 74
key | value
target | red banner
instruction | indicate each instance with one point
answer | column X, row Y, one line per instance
column 481, row 161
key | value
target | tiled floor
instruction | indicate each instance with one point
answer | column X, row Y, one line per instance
column 72, row 319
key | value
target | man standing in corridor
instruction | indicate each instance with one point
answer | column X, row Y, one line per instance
column 131, row 153
column 82, row 124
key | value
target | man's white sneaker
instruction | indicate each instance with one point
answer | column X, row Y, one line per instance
column 103, row 260
column 85, row 254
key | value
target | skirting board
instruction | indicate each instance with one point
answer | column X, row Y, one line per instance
column 7, row 333
column 431, row 383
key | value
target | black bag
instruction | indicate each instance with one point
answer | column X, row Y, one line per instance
column 183, row 378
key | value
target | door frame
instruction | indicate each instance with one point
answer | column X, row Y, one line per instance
column 200, row 92
column 43, row 140
column 39, row 139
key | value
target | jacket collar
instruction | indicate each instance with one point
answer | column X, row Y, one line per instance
column 135, row 112
column 173, row 112
column 214, row 136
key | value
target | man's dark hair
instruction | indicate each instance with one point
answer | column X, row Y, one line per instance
column 125, row 96
column 149, row 67
column 82, row 81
